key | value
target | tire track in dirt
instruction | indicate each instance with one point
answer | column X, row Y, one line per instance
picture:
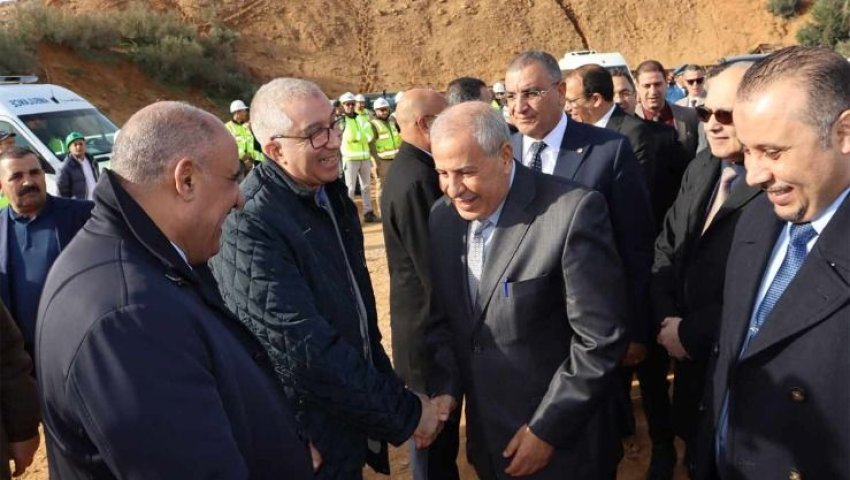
column 252, row 10
column 363, row 32
column 573, row 19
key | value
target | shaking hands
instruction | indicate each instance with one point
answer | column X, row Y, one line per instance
column 435, row 411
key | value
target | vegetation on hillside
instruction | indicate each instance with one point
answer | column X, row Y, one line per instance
column 784, row 8
column 161, row 44
column 830, row 26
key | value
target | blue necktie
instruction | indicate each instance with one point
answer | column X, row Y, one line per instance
column 799, row 236
column 536, row 159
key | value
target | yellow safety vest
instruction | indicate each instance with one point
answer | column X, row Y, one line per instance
column 244, row 141
column 355, row 140
column 388, row 139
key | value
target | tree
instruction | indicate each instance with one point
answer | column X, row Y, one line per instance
column 830, row 24
column 784, row 8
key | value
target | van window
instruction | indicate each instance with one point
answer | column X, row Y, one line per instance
column 52, row 128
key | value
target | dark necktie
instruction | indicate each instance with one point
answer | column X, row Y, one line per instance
column 799, row 235
column 536, row 160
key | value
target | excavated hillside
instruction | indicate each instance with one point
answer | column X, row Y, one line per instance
column 370, row 45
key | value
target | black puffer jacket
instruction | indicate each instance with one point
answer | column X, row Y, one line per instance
column 282, row 271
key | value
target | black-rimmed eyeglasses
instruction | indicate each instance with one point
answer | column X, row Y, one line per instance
column 318, row 139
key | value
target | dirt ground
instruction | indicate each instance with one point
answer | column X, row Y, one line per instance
column 632, row 467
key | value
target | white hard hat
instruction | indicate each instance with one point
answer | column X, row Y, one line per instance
column 360, row 98
column 381, row 102
column 346, row 97
column 237, row 105
column 498, row 87
column 398, row 97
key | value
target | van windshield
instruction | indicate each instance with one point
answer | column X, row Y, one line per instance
column 52, row 128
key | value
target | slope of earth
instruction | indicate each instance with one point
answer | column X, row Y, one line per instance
column 370, row 45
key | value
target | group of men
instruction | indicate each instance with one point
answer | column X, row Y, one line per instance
column 196, row 326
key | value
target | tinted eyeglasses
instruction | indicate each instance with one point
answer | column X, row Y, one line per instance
column 696, row 81
column 318, row 139
column 723, row 117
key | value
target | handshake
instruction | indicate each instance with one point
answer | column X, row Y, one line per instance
column 435, row 412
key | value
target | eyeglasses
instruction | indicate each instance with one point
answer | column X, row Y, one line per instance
column 571, row 102
column 695, row 81
column 723, row 117
column 624, row 93
column 318, row 139
column 531, row 95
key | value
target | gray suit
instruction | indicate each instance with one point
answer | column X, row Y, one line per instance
column 547, row 332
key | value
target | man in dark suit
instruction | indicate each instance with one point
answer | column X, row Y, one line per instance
column 530, row 295
column 652, row 89
column 779, row 397
column 690, row 253
column 34, row 228
column 411, row 188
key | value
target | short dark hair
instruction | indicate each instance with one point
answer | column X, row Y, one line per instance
column 544, row 59
column 595, row 79
column 822, row 75
column 464, row 89
column 649, row 66
column 17, row 152
column 620, row 72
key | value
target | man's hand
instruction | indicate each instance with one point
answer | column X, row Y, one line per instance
column 445, row 406
column 635, row 354
column 316, row 457
column 22, row 453
column 529, row 453
column 668, row 337
column 429, row 423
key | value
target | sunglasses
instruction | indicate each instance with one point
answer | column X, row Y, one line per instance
column 696, row 81
column 723, row 117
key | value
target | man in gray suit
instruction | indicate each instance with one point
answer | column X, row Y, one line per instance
column 530, row 307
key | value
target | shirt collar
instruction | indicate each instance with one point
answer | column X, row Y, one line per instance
column 552, row 139
column 823, row 219
column 181, row 253
column 48, row 205
column 603, row 122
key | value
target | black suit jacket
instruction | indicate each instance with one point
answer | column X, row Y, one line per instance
column 641, row 139
column 688, row 276
column 686, row 124
column 545, row 335
column 671, row 160
column 410, row 189
column 789, row 406
column 603, row 160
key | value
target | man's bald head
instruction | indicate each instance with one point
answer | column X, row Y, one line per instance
column 415, row 113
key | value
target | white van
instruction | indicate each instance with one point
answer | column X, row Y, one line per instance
column 43, row 115
column 611, row 61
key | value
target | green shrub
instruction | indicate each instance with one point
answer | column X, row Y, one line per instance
column 830, row 24
column 784, row 8
column 16, row 57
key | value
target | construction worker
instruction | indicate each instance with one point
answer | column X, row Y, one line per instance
column 386, row 142
column 498, row 96
column 240, row 128
column 360, row 107
column 357, row 155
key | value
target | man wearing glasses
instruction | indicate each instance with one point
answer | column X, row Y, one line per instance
column 292, row 268
column 597, row 158
column 691, row 252
column 694, row 77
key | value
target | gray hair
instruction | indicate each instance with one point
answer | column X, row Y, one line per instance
column 268, row 117
column 158, row 136
column 822, row 75
column 485, row 124
column 539, row 57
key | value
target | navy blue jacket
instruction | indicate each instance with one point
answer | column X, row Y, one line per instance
column 282, row 271
column 144, row 373
column 71, row 181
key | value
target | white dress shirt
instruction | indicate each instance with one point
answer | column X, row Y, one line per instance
column 603, row 122
column 87, row 167
column 549, row 155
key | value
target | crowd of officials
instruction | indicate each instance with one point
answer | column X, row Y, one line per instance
column 547, row 241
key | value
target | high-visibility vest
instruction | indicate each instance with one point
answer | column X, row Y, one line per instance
column 388, row 139
column 244, row 141
column 496, row 105
column 355, row 140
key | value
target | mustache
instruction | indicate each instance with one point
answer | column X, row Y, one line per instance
column 29, row 189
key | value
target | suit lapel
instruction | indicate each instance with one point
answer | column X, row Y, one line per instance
column 456, row 234
column 516, row 144
column 616, row 120
column 820, row 287
column 738, row 197
column 574, row 148
column 513, row 224
column 5, row 293
column 708, row 174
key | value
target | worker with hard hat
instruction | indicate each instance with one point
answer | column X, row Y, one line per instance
column 360, row 108
column 357, row 136
column 240, row 127
column 499, row 91
column 386, row 141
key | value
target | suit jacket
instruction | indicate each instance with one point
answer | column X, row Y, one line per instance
column 789, row 393
column 541, row 343
column 686, row 102
column 640, row 136
column 70, row 217
column 686, row 124
column 410, row 190
column 688, row 276
column 603, row 160
column 671, row 160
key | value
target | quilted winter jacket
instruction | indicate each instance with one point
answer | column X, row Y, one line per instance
column 281, row 270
